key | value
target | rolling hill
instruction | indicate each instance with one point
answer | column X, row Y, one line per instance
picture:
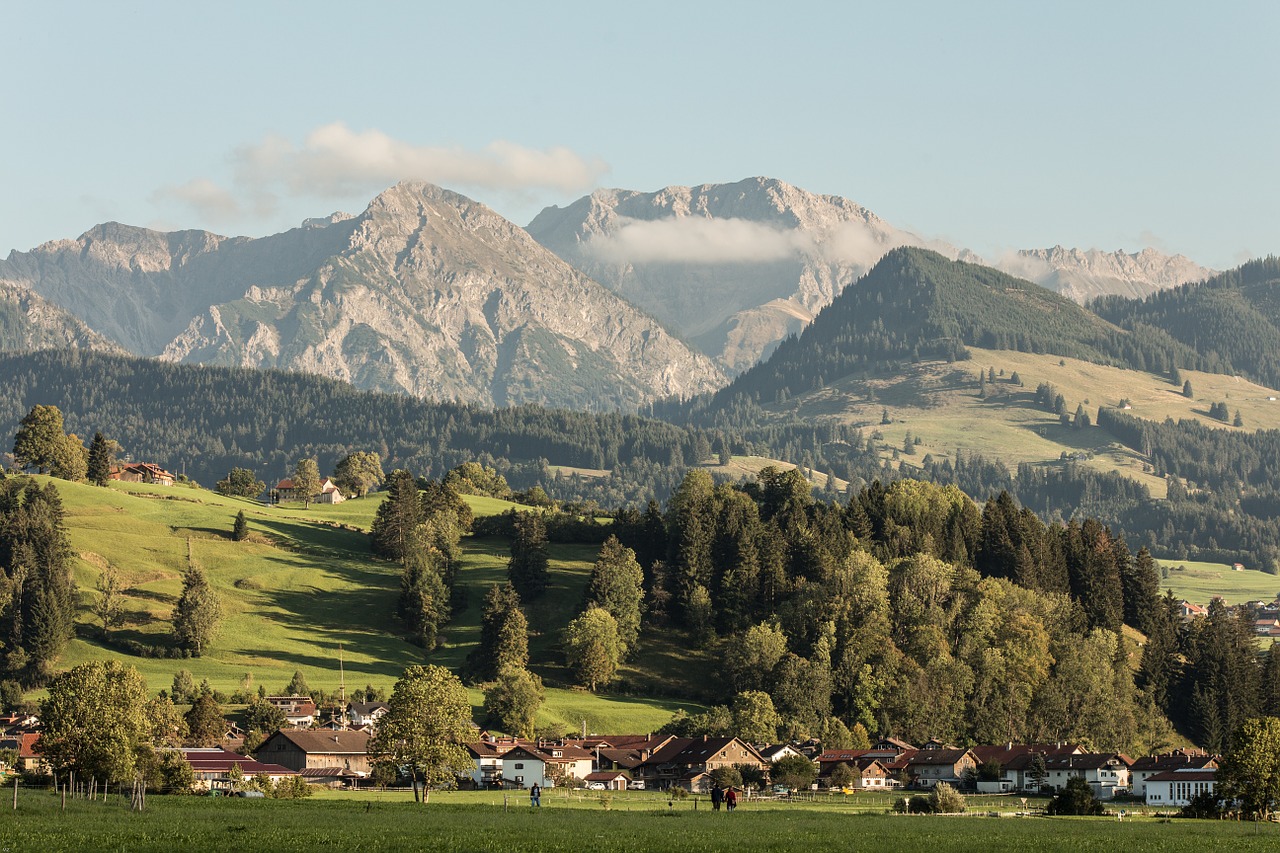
column 304, row 591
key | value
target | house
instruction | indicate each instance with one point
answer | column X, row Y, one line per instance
column 869, row 773
column 1015, row 760
column 1106, row 772
column 141, row 472
column 487, row 757
column 682, row 758
column 1269, row 627
column 774, row 752
column 1147, row 766
column 299, row 711
column 525, row 767
column 24, row 743
column 212, row 767
column 891, row 744
column 1192, row 611
column 611, row 780
column 928, row 767
column 303, row 750
column 329, row 492
column 366, row 714
column 1172, row 788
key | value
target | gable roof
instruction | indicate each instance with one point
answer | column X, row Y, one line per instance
column 218, row 760
column 1209, row 775
column 1172, row 761
column 323, row 742
column 939, row 756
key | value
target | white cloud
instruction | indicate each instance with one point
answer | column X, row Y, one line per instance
column 210, row 201
column 701, row 240
column 335, row 162
column 697, row 240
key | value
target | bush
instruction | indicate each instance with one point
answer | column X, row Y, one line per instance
column 1203, row 806
column 920, row 804
column 946, row 799
column 1077, row 798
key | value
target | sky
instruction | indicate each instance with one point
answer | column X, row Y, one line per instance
column 989, row 125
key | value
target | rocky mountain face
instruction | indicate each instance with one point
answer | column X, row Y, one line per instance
column 734, row 268
column 426, row 292
column 29, row 322
column 1084, row 275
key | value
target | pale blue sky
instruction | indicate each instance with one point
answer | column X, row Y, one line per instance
column 991, row 125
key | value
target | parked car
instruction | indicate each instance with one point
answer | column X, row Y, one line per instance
column 597, row 786
column 635, row 785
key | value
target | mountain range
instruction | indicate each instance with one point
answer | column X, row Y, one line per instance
column 617, row 300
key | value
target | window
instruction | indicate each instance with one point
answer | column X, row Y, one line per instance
column 519, row 765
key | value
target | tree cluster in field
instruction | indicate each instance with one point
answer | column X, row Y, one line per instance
column 913, row 612
column 421, row 531
column 37, row 592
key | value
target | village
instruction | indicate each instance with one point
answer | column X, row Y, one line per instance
column 334, row 754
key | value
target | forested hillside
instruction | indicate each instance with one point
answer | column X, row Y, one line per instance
column 1232, row 318
column 916, row 304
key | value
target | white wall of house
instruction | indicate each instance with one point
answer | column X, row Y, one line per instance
column 1175, row 794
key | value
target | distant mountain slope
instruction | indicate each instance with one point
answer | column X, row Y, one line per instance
column 1086, row 275
column 426, row 292
column 916, row 304
column 28, row 322
column 1233, row 317
column 734, row 268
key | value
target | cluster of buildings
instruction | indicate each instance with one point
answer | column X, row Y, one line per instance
column 1265, row 614
column 337, row 754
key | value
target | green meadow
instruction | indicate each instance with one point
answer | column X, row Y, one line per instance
column 305, row 594
column 1200, row 582
column 643, row 823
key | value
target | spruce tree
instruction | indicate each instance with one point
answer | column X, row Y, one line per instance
column 504, row 635
column 527, row 568
column 395, row 525
column 198, row 612
column 240, row 530
column 617, row 585
column 99, row 471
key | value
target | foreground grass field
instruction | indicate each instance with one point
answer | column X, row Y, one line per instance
column 303, row 591
column 643, row 824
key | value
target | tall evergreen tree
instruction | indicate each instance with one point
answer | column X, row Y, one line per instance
column 424, row 597
column 527, row 568
column 617, row 585
column 198, row 612
column 504, row 634
column 99, row 472
column 394, row 532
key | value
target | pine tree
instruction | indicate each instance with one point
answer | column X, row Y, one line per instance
column 198, row 612
column 424, row 597
column 527, row 568
column 99, row 471
column 394, row 531
column 1186, row 390
column 617, row 585
column 504, row 634
column 240, row 530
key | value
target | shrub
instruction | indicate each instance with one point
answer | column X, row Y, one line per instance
column 920, row 804
column 946, row 800
column 1077, row 798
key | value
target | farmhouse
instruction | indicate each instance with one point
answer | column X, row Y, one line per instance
column 342, row 755
column 1148, row 766
column 930, row 766
column 868, row 773
column 141, row 472
column 366, row 714
column 329, row 492
column 298, row 710
column 1016, row 761
column 212, row 767
column 684, row 761
column 1178, row 787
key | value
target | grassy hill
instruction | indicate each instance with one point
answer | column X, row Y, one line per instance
column 304, row 585
column 1199, row 582
column 939, row 403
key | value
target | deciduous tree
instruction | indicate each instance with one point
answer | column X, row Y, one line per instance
column 93, row 721
column 592, row 647
column 306, row 480
column 1249, row 773
column 427, row 722
column 512, row 702
column 358, row 473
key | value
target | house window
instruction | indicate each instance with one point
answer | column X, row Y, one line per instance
column 519, row 766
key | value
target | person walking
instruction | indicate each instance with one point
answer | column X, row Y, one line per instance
column 717, row 797
column 731, row 799
column 535, row 795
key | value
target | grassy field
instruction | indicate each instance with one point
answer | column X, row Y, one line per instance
column 458, row 823
column 1199, row 582
column 303, row 586
column 939, row 403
